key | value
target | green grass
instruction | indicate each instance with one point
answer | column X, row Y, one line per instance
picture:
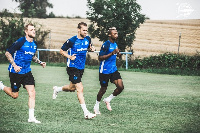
column 150, row 103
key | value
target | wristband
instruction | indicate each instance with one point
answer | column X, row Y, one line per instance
column 40, row 62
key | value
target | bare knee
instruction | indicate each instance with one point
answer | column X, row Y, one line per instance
column 102, row 91
column 32, row 94
column 72, row 89
column 15, row 95
column 121, row 87
column 80, row 90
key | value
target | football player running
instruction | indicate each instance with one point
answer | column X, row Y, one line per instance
column 108, row 70
column 20, row 54
column 77, row 47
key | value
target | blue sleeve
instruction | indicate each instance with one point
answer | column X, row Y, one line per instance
column 104, row 49
column 16, row 45
column 68, row 44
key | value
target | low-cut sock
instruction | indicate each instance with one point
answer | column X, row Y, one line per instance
column 96, row 106
column 59, row 89
column 108, row 99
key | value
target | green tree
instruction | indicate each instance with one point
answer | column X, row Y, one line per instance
column 12, row 28
column 123, row 14
column 51, row 15
column 34, row 8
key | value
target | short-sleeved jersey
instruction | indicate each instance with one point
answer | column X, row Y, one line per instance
column 109, row 65
column 22, row 52
column 79, row 47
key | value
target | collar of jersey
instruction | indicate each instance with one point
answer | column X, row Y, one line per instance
column 28, row 41
column 78, row 38
column 111, row 42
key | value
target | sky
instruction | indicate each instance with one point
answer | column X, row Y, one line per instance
column 154, row 9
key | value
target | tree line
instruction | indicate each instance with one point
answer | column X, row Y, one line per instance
column 125, row 15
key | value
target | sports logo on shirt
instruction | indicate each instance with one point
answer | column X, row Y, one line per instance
column 82, row 49
column 31, row 53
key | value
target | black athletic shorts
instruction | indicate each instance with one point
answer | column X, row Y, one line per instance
column 104, row 78
column 75, row 74
column 17, row 79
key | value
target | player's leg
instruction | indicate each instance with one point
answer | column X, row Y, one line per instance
column 31, row 100
column 29, row 85
column 104, row 79
column 101, row 92
column 99, row 97
column 117, row 91
column 119, row 87
column 117, row 80
column 79, row 88
column 8, row 91
column 66, row 88
column 15, row 81
column 31, row 103
column 69, row 88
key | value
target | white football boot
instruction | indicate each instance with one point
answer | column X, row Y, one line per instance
column 89, row 115
column 33, row 120
column 107, row 104
column 1, row 85
column 96, row 110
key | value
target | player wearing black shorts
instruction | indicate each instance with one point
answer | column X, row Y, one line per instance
column 20, row 54
column 16, row 80
column 77, row 47
column 108, row 70
column 75, row 74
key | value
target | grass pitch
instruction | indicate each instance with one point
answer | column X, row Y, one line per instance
column 150, row 103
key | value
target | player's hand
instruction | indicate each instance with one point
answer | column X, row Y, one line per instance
column 43, row 64
column 119, row 54
column 17, row 68
column 73, row 57
column 116, row 51
column 92, row 48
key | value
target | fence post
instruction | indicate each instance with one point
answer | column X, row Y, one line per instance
column 38, row 54
column 126, row 61
column 179, row 42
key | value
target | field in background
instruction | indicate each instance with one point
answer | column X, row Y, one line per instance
column 150, row 103
column 152, row 38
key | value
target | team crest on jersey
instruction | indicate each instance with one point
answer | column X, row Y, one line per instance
column 86, row 43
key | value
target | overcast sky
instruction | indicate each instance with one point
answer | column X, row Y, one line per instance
column 154, row 9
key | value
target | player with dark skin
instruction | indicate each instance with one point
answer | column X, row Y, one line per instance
column 108, row 70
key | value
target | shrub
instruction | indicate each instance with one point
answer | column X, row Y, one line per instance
column 167, row 60
column 12, row 28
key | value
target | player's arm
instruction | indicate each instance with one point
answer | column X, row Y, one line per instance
column 65, row 54
column 12, row 62
column 119, row 54
column 36, row 60
column 91, row 48
column 68, row 44
column 104, row 57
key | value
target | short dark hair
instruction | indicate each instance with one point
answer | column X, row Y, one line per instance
column 110, row 30
column 81, row 23
column 26, row 26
